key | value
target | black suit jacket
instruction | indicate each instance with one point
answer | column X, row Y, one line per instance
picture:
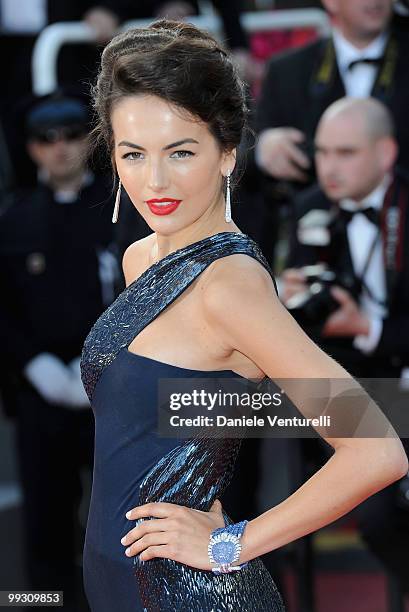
column 392, row 352
column 299, row 85
column 49, row 274
column 49, row 270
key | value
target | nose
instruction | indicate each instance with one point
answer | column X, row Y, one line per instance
column 158, row 177
column 59, row 145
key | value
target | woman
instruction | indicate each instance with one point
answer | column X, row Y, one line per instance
column 200, row 302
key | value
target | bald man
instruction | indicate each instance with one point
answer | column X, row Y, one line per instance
column 354, row 225
column 345, row 223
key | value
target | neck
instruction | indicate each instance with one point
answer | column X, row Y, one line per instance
column 71, row 182
column 360, row 40
column 210, row 223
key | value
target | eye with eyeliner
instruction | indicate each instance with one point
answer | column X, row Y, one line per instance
column 185, row 152
column 137, row 155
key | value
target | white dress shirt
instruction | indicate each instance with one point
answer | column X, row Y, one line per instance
column 359, row 80
column 361, row 233
column 66, row 196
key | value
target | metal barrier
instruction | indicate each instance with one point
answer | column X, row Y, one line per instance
column 53, row 37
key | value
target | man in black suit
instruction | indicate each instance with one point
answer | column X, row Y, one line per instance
column 57, row 274
column 355, row 224
column 366, row 54
column 355, row 155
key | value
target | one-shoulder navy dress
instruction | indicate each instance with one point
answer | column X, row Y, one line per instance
column 134, row 466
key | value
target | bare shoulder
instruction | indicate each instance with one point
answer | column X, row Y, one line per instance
column 237, row 279
column 135, row 258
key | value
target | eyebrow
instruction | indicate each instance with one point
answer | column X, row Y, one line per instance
column 342, row 149
column 126, row 143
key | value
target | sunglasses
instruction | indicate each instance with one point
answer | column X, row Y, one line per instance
column 68, row 133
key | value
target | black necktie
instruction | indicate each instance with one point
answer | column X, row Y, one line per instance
column 371, row 213
column 376, row 61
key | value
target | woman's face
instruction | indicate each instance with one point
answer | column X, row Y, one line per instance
column 169, row 163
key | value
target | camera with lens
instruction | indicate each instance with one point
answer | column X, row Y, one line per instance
column 313, row 306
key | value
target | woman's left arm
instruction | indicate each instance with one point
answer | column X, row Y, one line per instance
column 242, row 309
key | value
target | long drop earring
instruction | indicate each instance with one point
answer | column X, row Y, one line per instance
column 227, row 214
column 117, row 200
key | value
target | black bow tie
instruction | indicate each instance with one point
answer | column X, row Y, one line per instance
column 365, row 60
column 371, row 213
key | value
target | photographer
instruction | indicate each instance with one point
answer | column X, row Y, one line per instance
column 349, row 277
column 366, row 55
column 354, row 223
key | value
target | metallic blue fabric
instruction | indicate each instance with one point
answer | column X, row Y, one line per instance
column 134, row 466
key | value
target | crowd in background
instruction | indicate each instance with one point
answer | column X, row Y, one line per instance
column 325, row 193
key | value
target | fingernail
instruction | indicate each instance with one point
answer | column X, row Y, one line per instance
column 128, row 514
column 123, row 540
column 128, row 550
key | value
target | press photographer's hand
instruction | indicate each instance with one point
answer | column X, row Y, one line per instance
column 279, row 154
column 291, row 282
column 348, row 320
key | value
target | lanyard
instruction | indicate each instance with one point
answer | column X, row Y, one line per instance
column 393, row 221
column 360, row 279
column 326, row 70
column 392, row 231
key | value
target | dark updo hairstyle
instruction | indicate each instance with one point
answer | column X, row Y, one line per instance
column 176, row 62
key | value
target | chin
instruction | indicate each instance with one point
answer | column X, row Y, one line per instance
column 335, row 193
column 164, row 225
column 376, row 25
column 377, row 30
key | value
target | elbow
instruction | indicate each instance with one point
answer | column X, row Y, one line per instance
column 385, row 460
column 395, row 460
column 403, row 468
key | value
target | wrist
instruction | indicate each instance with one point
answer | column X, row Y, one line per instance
column 248, row 544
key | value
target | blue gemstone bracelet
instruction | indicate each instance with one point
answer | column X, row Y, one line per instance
column 225, row 547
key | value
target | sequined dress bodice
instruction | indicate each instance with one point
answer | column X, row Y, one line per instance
column 133, row 465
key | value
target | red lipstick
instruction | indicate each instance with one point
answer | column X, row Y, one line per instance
column 163, row 206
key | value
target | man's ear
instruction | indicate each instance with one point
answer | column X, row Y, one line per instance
column 388, row 151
